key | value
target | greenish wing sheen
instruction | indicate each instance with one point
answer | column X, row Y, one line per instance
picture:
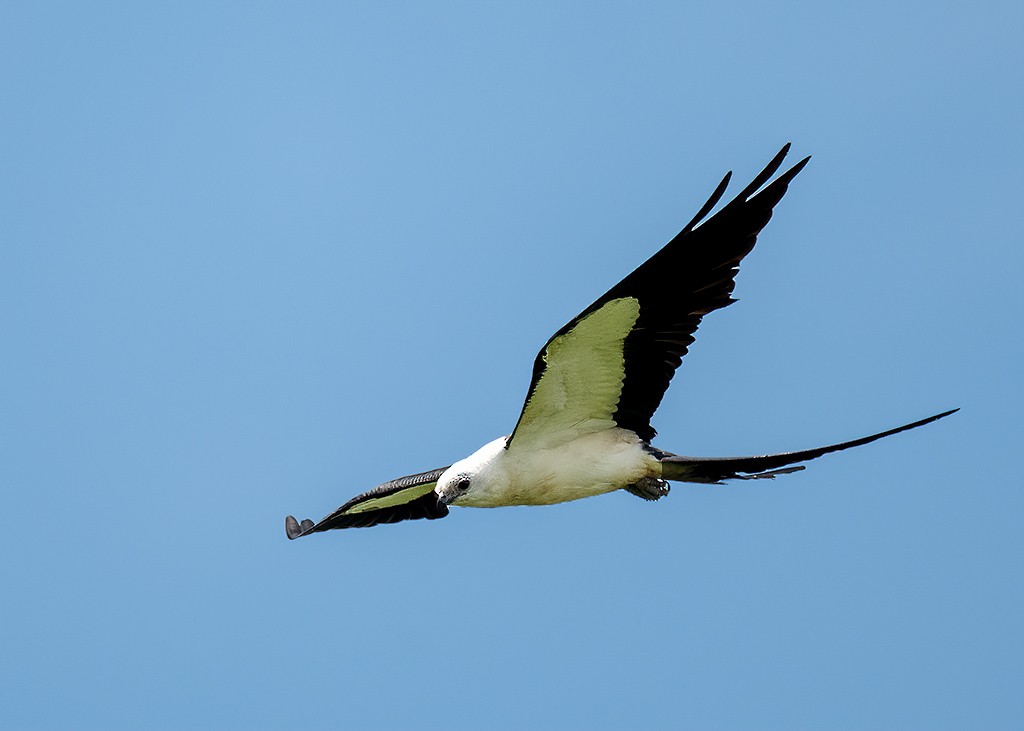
column 641, row 328
column 399, row 497
column 581, row 382
column 406, row 498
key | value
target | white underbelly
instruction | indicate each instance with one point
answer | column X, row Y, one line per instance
column 589, row 465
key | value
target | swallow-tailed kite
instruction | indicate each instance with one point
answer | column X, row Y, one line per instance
column 585, row 427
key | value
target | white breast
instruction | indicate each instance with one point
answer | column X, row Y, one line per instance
column 589, row 465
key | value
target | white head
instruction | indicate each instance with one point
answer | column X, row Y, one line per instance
column 471, row 478
column 453, row 485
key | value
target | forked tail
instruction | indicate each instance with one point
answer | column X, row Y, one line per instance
column 715, row 469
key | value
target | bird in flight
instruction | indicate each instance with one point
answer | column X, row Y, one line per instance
column 585, row 428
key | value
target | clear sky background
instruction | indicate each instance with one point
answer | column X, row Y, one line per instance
column 256, row 258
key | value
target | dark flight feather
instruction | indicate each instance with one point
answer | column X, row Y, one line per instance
column 419, row 505
column 692, row 275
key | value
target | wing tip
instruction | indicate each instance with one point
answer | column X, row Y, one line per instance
column 761, row 183
column 765, row 175
column 791, row 173
column 711, row 202
column 294, row 529
column 782, row 182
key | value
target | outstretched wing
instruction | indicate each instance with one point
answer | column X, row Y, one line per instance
column 611, row 365
column 715, row 469
column 407, row 498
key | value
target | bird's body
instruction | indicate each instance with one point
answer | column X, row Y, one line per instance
column 588, row 465
column 585, row 426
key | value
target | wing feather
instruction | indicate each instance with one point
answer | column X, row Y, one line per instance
column 692, row 275
column 582, row 378
column 404, row 498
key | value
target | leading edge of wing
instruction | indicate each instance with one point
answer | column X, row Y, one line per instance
column 692, row 275
column 405, row 498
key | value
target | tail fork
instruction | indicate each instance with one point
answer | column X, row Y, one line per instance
column 713, row 470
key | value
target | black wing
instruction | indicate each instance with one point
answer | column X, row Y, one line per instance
column 691, row 276
column 406, row 498
column 715, row 469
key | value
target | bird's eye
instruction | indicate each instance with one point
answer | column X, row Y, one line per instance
column 462, row 485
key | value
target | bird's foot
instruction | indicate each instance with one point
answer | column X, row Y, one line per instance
column 649, row 488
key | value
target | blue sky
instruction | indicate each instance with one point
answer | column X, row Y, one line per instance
column 258, row 257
